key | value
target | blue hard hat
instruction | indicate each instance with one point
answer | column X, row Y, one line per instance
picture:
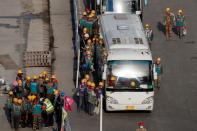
column 62, row 93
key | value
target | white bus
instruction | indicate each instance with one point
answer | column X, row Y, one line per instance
column 129, row 60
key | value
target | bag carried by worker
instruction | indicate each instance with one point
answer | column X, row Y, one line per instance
column 184, row 30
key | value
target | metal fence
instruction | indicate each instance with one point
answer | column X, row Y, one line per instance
column 77, row 38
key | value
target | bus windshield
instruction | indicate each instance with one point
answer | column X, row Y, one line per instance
column 122, row 6
column 126, row 71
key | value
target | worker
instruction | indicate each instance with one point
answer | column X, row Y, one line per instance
column 20, row 92
column 50, row 92
column 159, row 71
column 141, row 127
column 40, row 84
column 16, row 113
column 44, row 74
column 54, row 81
column 148, row 32
column 84, row 15
column 99, row 92
column 9, row 105
column 82, row 88
column 87, row 77
column 49, row 112
column 19, row 75
column 59, row 102
column 45, row 85
column 88, row 84
column 36, row 113
column 89, row 60
column 90, row 17
column 26, row 111
column 168, row 22
column 180, row 23
column 34, row 86
column 26, row 85
column 92, row 101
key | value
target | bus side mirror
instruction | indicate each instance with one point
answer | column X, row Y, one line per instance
column 104, row 72
column 145, row 2
column 154, row 72
column 98, row 2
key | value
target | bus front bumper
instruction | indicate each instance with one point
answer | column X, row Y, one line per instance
column 122, row 107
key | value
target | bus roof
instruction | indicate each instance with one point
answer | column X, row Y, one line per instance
column 129, row 54
column 123, row 31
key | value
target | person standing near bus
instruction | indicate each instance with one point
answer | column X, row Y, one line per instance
column 99, row 92
column 158, row 70
column 148, row 33
column 81, row 93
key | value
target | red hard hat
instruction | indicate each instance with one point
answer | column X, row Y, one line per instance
column 141, row 123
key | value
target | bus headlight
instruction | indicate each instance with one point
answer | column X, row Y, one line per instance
column 111, row 100
column 148, row 100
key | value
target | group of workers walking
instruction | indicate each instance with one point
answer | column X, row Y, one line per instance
column 171, row 21
column 34, row 102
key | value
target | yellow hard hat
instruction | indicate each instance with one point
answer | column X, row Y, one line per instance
column 44, row 73
column 33, row 97
column 167, row 9
column 56, row 92
column 180, row 11
column 20, row 71
column 101, row 83
column 147, row 26
column 15, row 100
column 34, row 77
column 10, row 93
column 53, row 76
column 133, row 84
column 85, row 30
column 87, row 77
column 89, row 83
column 46, row 79
column 158, row 59
column 84, row 13
column 29, row 97
column 113, row 78
column 91, row 15
column 82, row 80
column 92, row 84
column 28, row 78
column 19, row 101
column 93, row 12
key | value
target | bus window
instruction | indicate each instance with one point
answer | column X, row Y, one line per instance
column 124, row 72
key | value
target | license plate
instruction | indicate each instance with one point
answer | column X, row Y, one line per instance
column 130, row 107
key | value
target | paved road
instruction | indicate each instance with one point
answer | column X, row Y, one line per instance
column 175, row 103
